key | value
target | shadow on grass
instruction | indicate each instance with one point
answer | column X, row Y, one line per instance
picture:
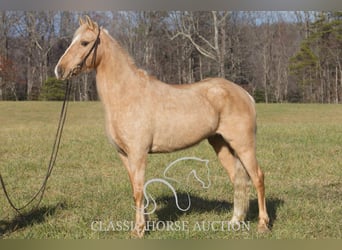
column 26, row 219
column 169, row 211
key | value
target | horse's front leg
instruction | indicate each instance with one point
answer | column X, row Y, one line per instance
column 136, row 170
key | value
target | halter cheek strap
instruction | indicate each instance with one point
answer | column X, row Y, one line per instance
column 93, row 48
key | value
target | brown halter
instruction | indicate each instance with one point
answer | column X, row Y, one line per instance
column 93, row 48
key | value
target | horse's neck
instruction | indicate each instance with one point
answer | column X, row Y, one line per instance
column 116, row 73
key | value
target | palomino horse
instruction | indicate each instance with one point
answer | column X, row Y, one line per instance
column 144, row 115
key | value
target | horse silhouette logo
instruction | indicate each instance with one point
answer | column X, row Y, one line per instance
column 171, row 182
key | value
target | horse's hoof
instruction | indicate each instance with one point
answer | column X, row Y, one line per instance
column 263, row 228
column 138, row 232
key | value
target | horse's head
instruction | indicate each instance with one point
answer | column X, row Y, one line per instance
column 81, row 54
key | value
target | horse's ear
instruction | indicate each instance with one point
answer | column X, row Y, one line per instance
column 81, row 21
column 96, row 26
column 90, row 23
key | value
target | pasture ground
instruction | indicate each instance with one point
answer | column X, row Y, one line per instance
column 299, row 147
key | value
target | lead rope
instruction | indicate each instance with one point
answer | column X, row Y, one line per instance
column 52, row 161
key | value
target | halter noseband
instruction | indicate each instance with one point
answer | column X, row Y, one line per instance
column 93, row 48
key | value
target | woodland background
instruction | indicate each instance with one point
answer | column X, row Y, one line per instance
column 292, row 56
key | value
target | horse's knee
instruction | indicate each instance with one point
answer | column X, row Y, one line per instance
column 261, row 174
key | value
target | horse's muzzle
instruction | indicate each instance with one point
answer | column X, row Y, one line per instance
column 63, row 75
column 59, row 72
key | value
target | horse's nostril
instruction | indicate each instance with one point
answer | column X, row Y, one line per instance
column 60, row 71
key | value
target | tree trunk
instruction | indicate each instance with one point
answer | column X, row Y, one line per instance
column 85, row 88
column 265, row 74
column 30, row 24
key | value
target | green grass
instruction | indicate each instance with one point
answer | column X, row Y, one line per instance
column 299, row 149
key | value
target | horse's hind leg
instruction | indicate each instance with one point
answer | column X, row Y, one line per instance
column 237, row 174
column 245, row 150
column 241, row 192
column 224, row 154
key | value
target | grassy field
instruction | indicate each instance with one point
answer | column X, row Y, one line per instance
column 299, row 149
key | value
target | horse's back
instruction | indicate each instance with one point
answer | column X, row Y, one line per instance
column 220, row 94
column 226, row 95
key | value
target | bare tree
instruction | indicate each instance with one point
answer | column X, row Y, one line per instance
column 3, row 48
column 254, row 49
column 211, row 45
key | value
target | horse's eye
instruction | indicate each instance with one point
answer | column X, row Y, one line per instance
column 84, row 43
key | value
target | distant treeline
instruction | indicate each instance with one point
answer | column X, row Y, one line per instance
column 293, row 56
